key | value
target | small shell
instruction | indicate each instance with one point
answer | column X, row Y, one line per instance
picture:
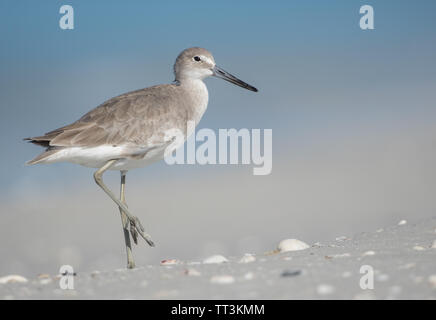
column 369, row 253
column 45, row 281
column 247, row 258
column 292, row 245
column 402, row 222
column 324, row 289
column 13, row 278
column 215, row 259
column 249, row 276
column 342, row 238
column 169, row 262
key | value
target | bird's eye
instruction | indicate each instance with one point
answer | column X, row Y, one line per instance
column 197, row 58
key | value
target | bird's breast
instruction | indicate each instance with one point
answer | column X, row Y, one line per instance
column 197, row 98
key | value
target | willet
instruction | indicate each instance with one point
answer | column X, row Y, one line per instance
column 131, row 130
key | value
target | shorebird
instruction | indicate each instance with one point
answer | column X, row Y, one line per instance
column 131, row 130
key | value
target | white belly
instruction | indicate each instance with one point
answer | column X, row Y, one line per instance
column 96, row 157
column 130, row 157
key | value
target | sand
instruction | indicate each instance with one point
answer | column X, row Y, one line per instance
column 396, row 262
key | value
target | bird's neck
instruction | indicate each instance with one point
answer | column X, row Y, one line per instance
column 197, row 91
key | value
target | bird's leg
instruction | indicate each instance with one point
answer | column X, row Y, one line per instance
column 98, row 176
column 133, row 224
column 125, row 221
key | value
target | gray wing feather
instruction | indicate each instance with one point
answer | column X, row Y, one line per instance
column 133, row 117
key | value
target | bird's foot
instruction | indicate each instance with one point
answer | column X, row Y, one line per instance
column 137, row 228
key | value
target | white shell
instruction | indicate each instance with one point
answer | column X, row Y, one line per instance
column 369, row 253
column 12, row 278
column 324, row 289
column 249, row 276
column 341, row 238
column 247, row 258
column 292, row 245
column 215, row 259
column 168, row 262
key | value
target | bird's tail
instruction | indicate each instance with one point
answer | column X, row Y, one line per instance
column 43, row 157
column 46, row 155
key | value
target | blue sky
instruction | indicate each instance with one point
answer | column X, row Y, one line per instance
column 319, row 75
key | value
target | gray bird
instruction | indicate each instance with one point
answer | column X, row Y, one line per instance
column 134, row 129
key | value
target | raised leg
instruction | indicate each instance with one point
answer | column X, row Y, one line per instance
column 134, row 221
column 125, row 221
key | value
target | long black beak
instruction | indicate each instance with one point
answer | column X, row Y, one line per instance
column 220, row 73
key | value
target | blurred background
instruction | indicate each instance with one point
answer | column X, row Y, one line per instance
column 353, row 116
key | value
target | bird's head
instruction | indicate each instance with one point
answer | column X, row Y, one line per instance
column 198, row 63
